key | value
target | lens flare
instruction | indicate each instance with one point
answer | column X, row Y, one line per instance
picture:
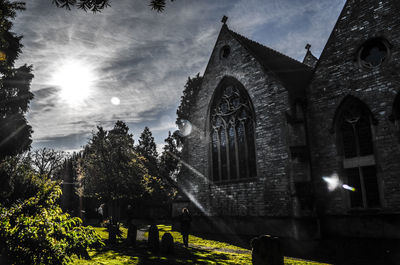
column 332, row 181
column 185, row 128
column 115, row 101
column 75, row 79
column 347, row 187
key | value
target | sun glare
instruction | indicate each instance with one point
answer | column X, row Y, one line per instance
column 75, row 79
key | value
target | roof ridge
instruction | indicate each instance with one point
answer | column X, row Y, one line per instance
column 264, row 46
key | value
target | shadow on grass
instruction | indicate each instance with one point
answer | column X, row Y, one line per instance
column 142, row 255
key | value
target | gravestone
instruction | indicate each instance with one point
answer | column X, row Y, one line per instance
column 153, row 240
column 167, row 243
column 132, row 233
column 266, row 250
column 112, row 233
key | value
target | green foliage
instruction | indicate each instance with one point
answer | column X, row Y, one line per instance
column 170, row 157
column 36, row 231
column 158, row 5
column 68, row 174
column 99, row 5
column 87, row 5
column 115, row 171
column 15, row 133
column 16, row 183
column 112, row 169
column 188, row 100
column 160, row 189
column 148, row 149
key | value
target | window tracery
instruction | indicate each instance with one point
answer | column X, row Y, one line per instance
column 358, row 153
column 374, row 52
column 232, row 135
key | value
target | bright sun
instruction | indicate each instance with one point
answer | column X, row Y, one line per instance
column 74, row 79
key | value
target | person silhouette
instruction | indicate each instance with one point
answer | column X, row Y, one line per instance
column 185, row 220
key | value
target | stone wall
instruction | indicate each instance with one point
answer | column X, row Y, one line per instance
column 294, row 150
column 338, row 73
column 269, row 193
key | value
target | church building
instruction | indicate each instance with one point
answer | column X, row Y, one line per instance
column 300, row 149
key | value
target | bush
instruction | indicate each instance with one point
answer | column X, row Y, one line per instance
column 36, row 231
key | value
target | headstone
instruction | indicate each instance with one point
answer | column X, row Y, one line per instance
column 266, row 250
column 153, row 241
column 132, row 233
column 112, row 233
column 167, row 243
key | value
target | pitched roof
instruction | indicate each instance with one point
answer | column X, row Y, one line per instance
column 293, row 74
column 310, row 59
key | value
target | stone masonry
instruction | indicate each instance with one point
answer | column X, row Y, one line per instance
column 295, row 139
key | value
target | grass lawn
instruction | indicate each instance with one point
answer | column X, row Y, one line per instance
column 200, row 251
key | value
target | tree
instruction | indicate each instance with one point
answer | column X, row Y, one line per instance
column 36, row 231
column 112, row 170
column 68, row 174
column 15, row 182
column 148, row 149
column 188, row 99
column 170, row 157
column 15, row 95
column 98, row 5
column 47, row 161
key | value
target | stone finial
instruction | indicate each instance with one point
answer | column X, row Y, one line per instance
column 224, row 19
column 308, row 46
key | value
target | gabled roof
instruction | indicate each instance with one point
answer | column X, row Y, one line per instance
column 293, row 74
column 310, row 59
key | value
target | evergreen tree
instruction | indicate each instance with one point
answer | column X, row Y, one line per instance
column 15, row 95
column 68, row 174
column 112, row 170
column 170, row 157
column 148, row 149
column 188, row 99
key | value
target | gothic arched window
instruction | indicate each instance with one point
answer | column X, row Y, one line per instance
column 353, row 121
column 232, row 133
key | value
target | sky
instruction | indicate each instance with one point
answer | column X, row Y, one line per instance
column 131, row 63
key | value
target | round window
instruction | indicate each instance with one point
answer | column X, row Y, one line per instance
column 373, row 53
column 225, row 51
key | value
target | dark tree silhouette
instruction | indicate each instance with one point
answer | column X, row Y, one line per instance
column 47, row 161
column 170, row 157
column 68, row 174
column 148, row 149
column 188, row 98
column 112, row 170
column 98, row 5
column 15, row 95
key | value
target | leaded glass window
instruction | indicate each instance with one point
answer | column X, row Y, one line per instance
column 232, row 135
column 358, row 153
column 374, row 52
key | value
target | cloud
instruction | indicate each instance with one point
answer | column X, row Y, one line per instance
column 68, row 142
column 287, row 25
column 144, row 57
